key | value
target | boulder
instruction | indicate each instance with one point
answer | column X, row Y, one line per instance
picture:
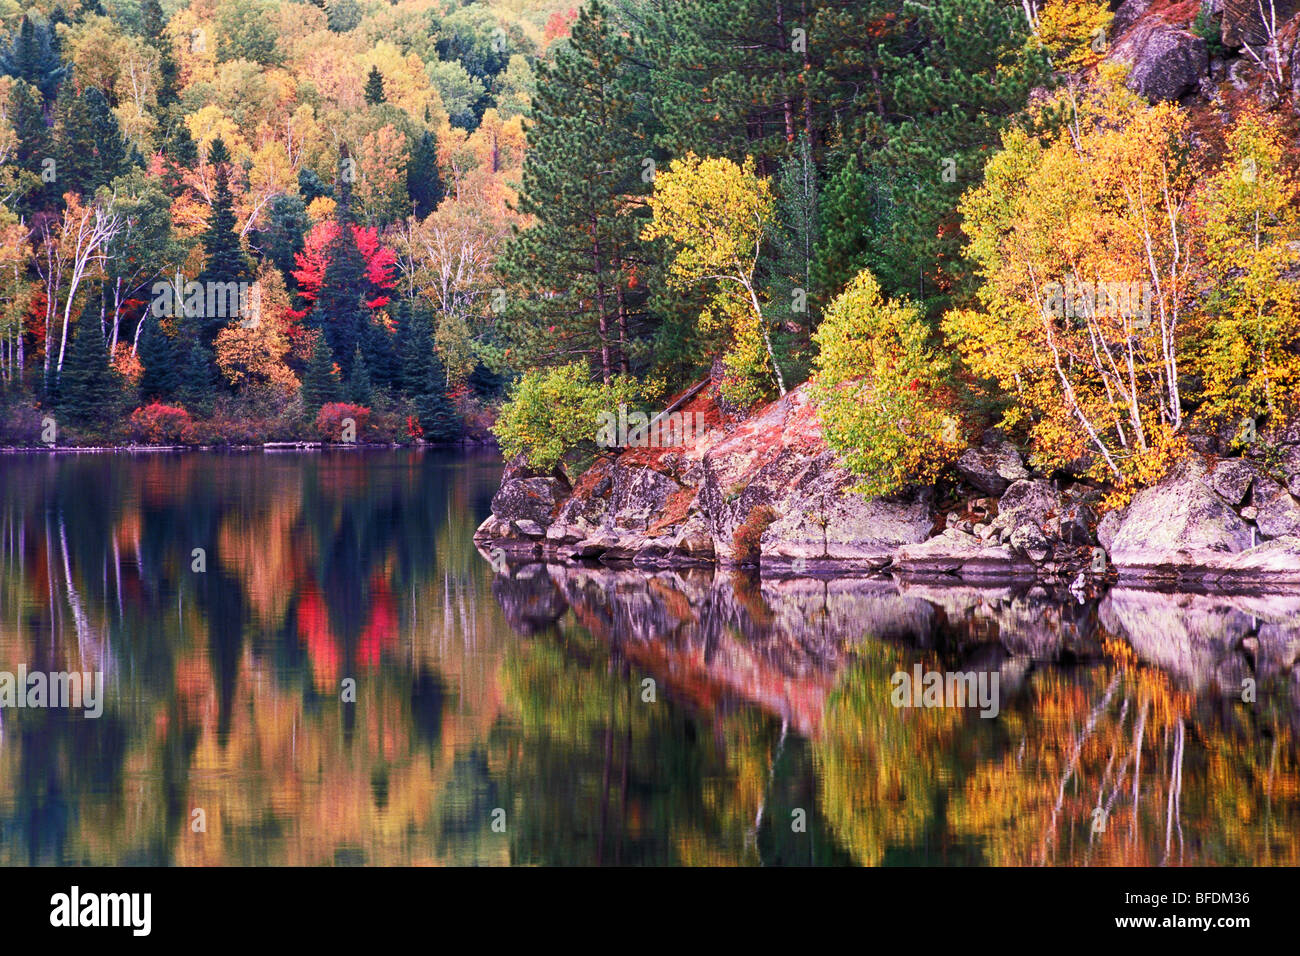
column 1277, row 513
column 528, row 495
column 991, row 468
column 830, row 524
column 1165, row 63
column 1129, row 12
column 958, row 554
column 1028, row 502
column 1107, row 527
column 1231, row 479
column 1175, row 525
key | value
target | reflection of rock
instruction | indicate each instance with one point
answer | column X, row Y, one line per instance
column 1200, row 638
column 529, row 599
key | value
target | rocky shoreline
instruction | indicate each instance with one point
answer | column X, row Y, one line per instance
column 767, row 492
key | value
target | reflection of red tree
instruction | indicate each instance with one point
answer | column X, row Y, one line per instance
column 381, row 632
column 314, row 629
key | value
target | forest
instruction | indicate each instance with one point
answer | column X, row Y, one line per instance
column 242, row 221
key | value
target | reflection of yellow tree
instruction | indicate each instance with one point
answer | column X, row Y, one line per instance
column 881, row 767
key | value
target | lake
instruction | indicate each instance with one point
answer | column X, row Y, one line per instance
column 305, row 661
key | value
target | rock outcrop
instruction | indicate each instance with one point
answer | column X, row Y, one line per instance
column 767, row 491
column 1165, row 62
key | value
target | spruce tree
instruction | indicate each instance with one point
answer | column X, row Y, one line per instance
column 359, row 385
column 224, row 259
column 32, row 146
column 340, row 307
column 198, row 386
column 89, row 389
column 423, row 181
column 73, row 144
column 320, row 384
column 375, row 87
column 160, row 375
column 33, row 56
column 112, row 154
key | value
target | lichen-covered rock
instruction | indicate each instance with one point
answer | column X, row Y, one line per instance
column 1129, row 12
column 1277, row 513
column 1231, row 479
column 1164, row 62
column 1175, row 524
column 955, row 553
column 991, row 468
column 1107, row 526
column 528, row 495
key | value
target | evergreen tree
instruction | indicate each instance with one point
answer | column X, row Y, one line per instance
column 320, row 383
column 160, row 376
column 112, row 154
column 73, row 144
column 340, row 307
column 155, row 24
column 423, row 180
column 89, row 389
column 32, row 147
column 198, row 386
column 224, row 260
column 359, row 385
column 382, row 362
column 375, row 87
column 437, row 416
column 589, row 158
column 33, row 56
column 949, row 101
column 415, row 350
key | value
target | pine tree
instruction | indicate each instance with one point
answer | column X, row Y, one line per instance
column 382, row 362
column 320, row 383
column 949, row 99
column 160, row 376
column 589, row 157
column 168, row 91
column 89, row 389
column 224, row 259
column 375, row 87
column 33, row 56
column 423, row 180
column 199, row 382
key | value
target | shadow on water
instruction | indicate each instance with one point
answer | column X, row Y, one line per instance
column 306, row 662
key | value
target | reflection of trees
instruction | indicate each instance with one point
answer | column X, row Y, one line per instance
column 598, row 776
column 215, row 699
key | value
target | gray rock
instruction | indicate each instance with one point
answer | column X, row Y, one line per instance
column 1278, row 512
column 1107, row 526
column 1164, row 62
column 842, row 527
column 1029, row 541
column 1231, row 479
column 1028, row 502
column 991, row 468
column 1175, row 525
column 1129, row 12
column 958, row 554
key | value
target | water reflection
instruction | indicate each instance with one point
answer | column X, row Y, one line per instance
column 570, row 715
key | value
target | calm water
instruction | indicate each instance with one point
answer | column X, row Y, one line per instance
column 586, row 716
